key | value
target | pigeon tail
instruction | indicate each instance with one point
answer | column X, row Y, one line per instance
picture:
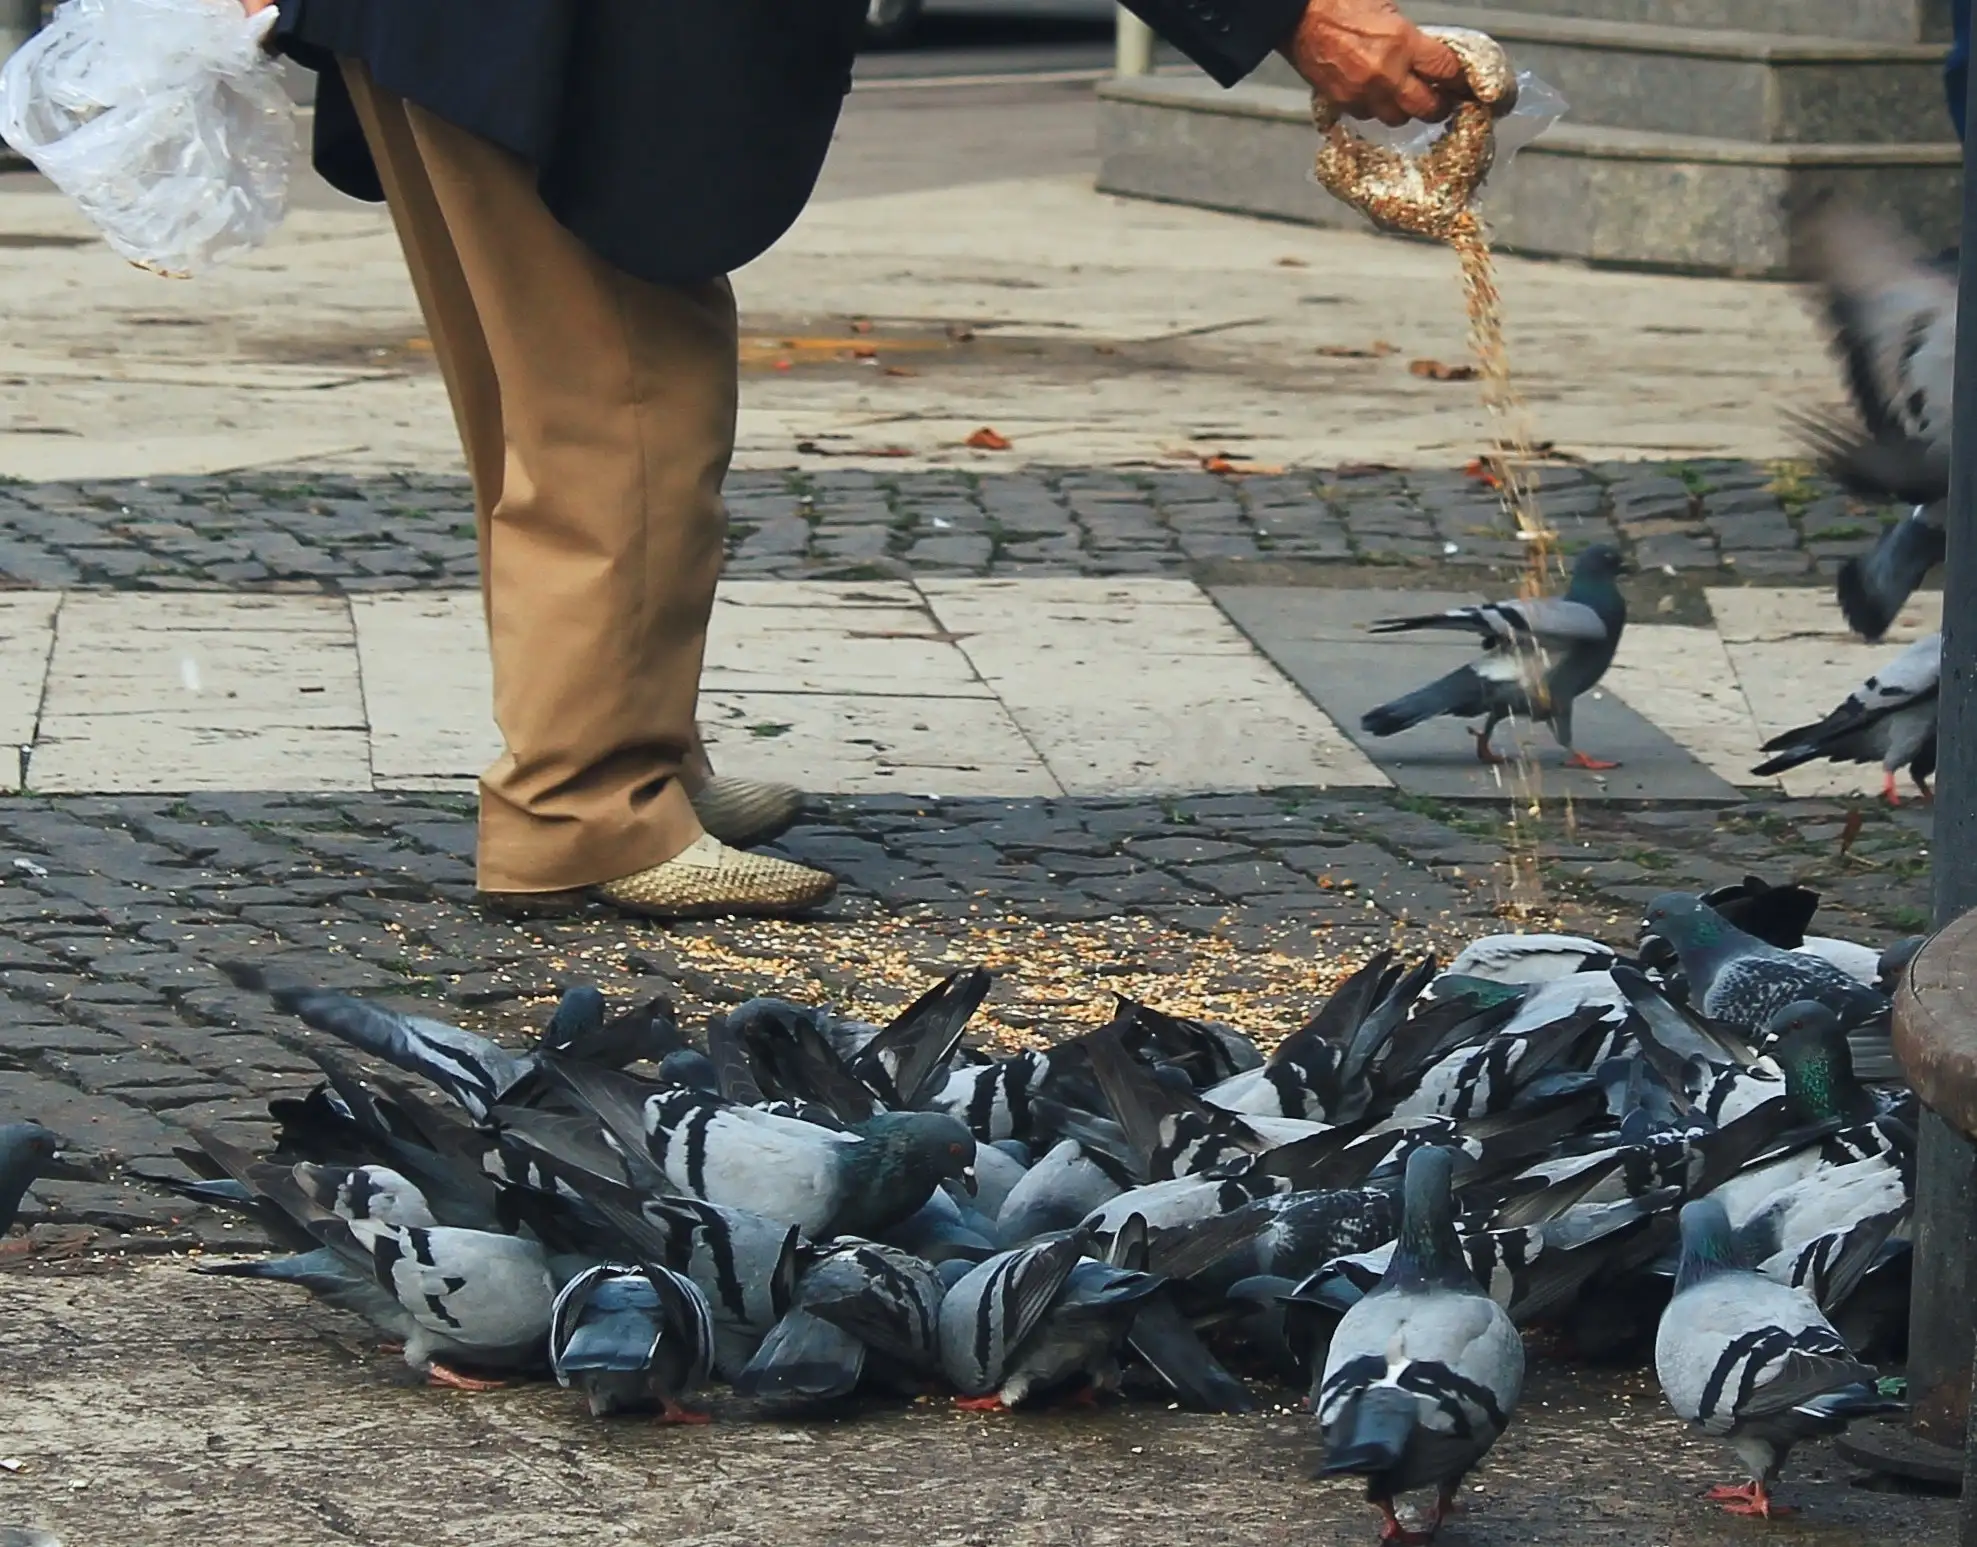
column 1461, row 692
column 1372, row 1433
column 1162, row 1337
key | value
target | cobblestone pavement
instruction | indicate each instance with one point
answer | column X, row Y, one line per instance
column 1709, row 520
column 120, row 1031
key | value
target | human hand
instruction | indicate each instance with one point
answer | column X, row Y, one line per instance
column 1373, row 62
column 256, row 7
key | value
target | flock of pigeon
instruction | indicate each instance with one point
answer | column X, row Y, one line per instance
column 1892, row 313
column 1700, row 1147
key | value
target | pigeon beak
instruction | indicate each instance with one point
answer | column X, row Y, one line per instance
column 968, row 1179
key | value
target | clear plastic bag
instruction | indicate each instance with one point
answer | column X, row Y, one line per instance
column 1539, row 106
column 165, row 120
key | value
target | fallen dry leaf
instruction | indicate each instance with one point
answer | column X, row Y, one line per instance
column 986, row 439
column 1850, row 830
column 810, row 448
column 1222, row 462
column 1292, row 263
column 1376, row 350
column 1441, row 370
column 901, row 370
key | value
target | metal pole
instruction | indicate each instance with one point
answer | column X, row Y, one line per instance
column 1941, row 1313
column 1134, row 45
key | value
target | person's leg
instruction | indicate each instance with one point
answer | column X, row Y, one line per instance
column 598, row 415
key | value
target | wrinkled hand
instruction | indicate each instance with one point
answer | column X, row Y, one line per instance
column 1373, row 62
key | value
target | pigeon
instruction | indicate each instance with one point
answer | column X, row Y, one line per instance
column 1737, row 979
column 1041, row 1321
column 859, row 1304
column 25, row 1151
column 1889, row 719
column 1531, row 959
column 632, row 1339
column 1539, row 655
column 1893, row 317
column 1752, row 1362
column 824, row 1181
column 1057, row 1193
column 473, row 1070
column 451, row 1296
column 1423, row 1373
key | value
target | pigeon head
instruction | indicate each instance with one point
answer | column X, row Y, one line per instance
column 1687, row 925
column 690, row 1067
column 579, row 1013
column 1601, row 562
column 1429, row 1253
column 1811, row 1047
column 1709, row 1246
column 1895, row 960
column 907, row 1157
column 25, row 1151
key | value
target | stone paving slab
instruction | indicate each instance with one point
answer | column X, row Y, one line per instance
column 1317, row 637
column 1717, row 522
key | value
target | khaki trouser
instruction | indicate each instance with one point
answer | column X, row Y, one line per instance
column 598, row 415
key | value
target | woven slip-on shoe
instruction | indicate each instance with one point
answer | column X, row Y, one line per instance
column 710, row 878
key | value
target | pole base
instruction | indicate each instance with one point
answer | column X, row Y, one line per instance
column 1886, row 1445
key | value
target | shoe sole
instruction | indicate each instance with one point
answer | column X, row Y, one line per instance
column 533, row 905
column 766, row 908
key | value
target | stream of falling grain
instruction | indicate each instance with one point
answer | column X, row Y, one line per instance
column 1511, row 462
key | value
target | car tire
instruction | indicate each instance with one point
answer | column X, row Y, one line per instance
column 889, row 23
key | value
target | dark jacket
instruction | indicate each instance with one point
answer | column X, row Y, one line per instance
column 678, row 138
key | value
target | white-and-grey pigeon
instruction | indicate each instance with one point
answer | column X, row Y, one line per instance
column 1752, row 1362
column 1539, row 656
column 1422, row 1374
column 1889, row 719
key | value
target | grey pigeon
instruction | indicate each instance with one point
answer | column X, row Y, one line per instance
column 451, row 1296
column 863, row 1311
column 1752, row 1362
column 1540, row 655
column 1423, row 1373
column 1889, row 719
column 1893, row 318
column 1038, row 1322
column 25, row 1151
column 1056, row 1193
column 1738, row 979
column 474, row 1070
column 1529, row 959
column 824, row 1181
column 632, row 1339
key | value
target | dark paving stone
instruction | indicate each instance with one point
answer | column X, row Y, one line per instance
column 335, row 532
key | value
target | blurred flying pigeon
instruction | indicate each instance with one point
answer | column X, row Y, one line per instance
column 1889, row 719
column 633, row 1339
column 1424, row 1372
column 1893, row 317
column 1737, row 978
column 1752, row 1362
column 1539, row 655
